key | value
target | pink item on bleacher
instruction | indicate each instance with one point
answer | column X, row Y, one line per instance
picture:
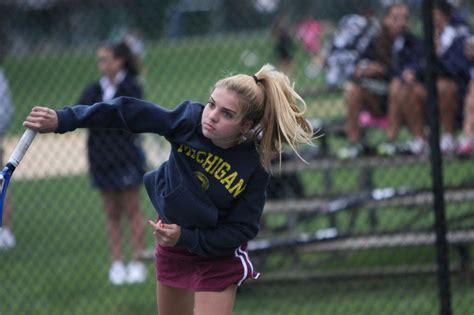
column 367, row 120
column 310, row 32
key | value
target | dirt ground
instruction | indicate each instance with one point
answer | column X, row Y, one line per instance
column 52, row 155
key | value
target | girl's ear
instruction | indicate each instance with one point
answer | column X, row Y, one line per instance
column 246, row 126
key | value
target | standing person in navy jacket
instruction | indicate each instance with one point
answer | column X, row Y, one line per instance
column 210, row 194
column 116, row 161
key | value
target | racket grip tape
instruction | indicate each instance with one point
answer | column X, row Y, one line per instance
column 22, row 147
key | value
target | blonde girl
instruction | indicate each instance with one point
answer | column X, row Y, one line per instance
column 209, row 195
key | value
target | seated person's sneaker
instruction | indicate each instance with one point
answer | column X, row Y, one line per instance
column 350, row 151
column 117, row 273
column 465, row 147
column 387, row 148
column 447, row 144
column 136, row 272
column 417, row 146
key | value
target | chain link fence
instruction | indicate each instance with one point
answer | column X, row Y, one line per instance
column 340, row 234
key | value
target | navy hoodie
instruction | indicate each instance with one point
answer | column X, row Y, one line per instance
column 215, row 195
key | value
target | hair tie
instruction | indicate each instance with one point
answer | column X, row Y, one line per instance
column 257, row 80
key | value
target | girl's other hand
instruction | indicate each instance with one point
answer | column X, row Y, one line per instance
column 165, row 234
column 42, row 120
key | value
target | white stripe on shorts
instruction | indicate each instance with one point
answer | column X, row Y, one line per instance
column 247, row 259
column 242, row 260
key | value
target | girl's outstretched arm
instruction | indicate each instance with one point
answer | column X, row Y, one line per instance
column 125, row 113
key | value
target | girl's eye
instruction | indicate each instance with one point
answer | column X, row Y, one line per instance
column 228, row 115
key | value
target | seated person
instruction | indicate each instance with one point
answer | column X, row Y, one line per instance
column 452, row 74
column 354, row 32
column 389, row 55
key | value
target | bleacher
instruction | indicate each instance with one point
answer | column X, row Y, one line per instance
column 363, row 203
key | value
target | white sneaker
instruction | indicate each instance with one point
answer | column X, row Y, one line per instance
column 447, row 144
column 7, row 239
column 350, row 151
column 117, row 273
column 136, row 272
column 418, row 146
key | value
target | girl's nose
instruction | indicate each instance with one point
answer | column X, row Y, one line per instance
column 213, row 115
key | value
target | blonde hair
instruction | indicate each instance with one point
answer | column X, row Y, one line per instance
column 270, row 102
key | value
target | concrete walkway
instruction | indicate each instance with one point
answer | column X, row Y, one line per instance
column 53, row 155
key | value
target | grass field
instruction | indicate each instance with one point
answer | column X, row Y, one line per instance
column 173, row 71
column 61, row 260
column 60, row 267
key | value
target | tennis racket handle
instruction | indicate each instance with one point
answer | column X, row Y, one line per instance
column 22, row 147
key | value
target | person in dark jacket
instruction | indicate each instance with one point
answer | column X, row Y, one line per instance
column 284, row 47
column 210, row 194
column 116, row 160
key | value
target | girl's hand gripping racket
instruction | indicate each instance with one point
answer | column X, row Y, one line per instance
column 12, row 164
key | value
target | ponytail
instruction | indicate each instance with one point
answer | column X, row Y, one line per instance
column 269, row 101
column 283, row 121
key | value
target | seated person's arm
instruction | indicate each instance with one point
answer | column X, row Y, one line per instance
column 469, row 48
column 368, row 68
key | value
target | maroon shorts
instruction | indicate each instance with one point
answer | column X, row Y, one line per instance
column 177, row 267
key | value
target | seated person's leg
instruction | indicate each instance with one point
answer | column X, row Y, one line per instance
column 354, row 99
column 414, row 113
column 396, row 98
column 405, row 104
column 466, row 142
column 448, row 106
column 358, row 99
column 414, row 110
column 469, row 113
